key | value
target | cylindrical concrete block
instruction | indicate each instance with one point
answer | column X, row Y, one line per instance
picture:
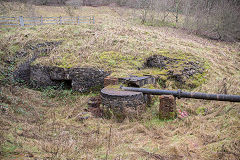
column 167, row 107
column 123, row 103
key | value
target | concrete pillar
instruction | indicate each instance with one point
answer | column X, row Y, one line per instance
column 21, row 20
column 41, row 20
column 167, row 107
column 60, row 20
column 148, row 99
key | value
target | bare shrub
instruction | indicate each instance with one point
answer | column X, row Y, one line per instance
column 163, row 7
column 75, row 4
column 69, row 10
column 218, row 20
column 144, row 6
column 215, row 19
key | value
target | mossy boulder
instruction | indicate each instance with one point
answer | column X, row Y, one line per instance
column 185, row 73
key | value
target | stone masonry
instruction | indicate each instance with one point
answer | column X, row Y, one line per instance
column 123, row 103
column 135, row 81
column 167, row 107
column 82, row 79
column 110, row 81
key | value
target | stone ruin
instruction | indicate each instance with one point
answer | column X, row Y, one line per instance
column 135, row 81
column 79, row 79
column 23, row 71
column 122, row 103
column 126, row 103
column 132, row 104
column 179, row 70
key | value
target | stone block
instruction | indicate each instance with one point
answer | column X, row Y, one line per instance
column 57, row 73
column 110, row 81
column 40, row 76
column 167, row 107
column 135, row 81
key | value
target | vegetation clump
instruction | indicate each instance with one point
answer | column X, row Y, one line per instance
column 187, row 73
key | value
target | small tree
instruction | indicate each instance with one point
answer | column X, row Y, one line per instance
column 163, row 7
column 177, row 9
column 69, row 10
column 144, row 6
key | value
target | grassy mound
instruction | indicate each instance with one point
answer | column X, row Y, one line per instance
column 90, row 46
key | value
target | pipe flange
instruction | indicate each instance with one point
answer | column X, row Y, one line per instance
column 179, row 92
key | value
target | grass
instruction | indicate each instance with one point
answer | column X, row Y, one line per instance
column 159, row 23
column 40, row 124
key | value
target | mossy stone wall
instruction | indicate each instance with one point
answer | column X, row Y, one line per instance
column 83, row 79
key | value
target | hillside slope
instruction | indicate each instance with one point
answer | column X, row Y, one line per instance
column 44, row 124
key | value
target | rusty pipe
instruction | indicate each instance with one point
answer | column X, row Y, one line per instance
column 181, row 94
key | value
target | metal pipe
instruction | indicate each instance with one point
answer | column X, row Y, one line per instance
column 181, row 94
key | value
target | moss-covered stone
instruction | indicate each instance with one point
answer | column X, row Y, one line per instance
column 182, row 70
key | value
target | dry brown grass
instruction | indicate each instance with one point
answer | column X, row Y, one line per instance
column 48, row 128
column 35, row 126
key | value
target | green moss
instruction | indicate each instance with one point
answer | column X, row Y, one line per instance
column 8, row 147
column 201, row 110
column 162, row 81
column 96, row 88
column 120, row 64
column 117, row 59
column 66, row 61
column 175, row 54
column 169, row 116
column 14, row 48
column 150, row 86
column 114, row 86
column 197, row 80
column 153, row 72
column 156, row 122
column 162, row 74
column 120, row 74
